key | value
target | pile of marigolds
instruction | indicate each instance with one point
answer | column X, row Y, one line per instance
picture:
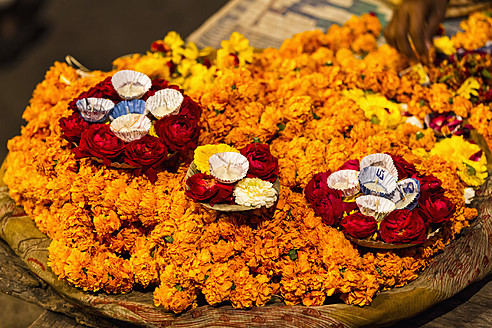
column 318, row 101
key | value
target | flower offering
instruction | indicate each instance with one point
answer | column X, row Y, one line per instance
column 385, row 205
column 135, row 138
column 231, row 168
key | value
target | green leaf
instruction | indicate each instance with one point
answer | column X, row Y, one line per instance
column 293, row 254
column 256, row 140
column 329, row 63
column 378, row 269
column 444, row 78
column 233, row 87
column 486, row 74
column 178, row 287
column 233, row 287
column 316, row 117
column 281, row 127
column 421, row 102
column 169, row 239
column 374, row 119
column 470, row 169
column 420, row 135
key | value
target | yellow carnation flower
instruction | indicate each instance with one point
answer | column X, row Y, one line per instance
column 469, row 88
column 445, row 45
column 203, row 153
column 459, row 151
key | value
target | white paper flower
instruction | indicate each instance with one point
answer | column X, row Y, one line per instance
column 255, row 192
column 469, row 195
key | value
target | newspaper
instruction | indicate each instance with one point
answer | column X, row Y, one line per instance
column 266, row 23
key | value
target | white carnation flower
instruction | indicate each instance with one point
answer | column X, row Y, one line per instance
column 255, row 192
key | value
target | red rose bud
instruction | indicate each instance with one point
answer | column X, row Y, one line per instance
column 359, row 225
column 317, row 187
column 351, row 164
column 262, row 163
column 72, row 127
column 103, row 89
column 100, row 142
column 330, row 208
column 190, row 109
column 204, row 188
column 178, row 132
column 477, row 156
column 147, row 151
column 404, row 168
column 158, row 84
column 402, row 227
column 436, row 209
column 159, row 46
column 429, row 185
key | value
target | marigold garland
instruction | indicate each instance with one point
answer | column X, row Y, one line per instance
column 114, row 231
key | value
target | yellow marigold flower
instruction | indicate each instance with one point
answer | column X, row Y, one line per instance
column 238, row 46
column 153, row 65
column 174, row 40
column 354, row 94
column 191, row 51
column 381, row 110
column 203, row 153
column 445, row 45
column 469, row 88
column 477, row 30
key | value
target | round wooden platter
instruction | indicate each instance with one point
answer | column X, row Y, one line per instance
column 464, row 261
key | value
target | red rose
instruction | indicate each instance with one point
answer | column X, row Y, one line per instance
column 404, row 168
column 359, row 225
column 99, row 141
column 190, row 109
column 351, row 164
column 103, row 89
column 204, row 188
column 147, row 151
column 316, row 187
column 72, row 127
column 262, row 163
column 178, row 132
column 330, row 207
column 429, row 185
column 157, row 85
column 159, row 46
column 436, row 209
column 403, row 226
